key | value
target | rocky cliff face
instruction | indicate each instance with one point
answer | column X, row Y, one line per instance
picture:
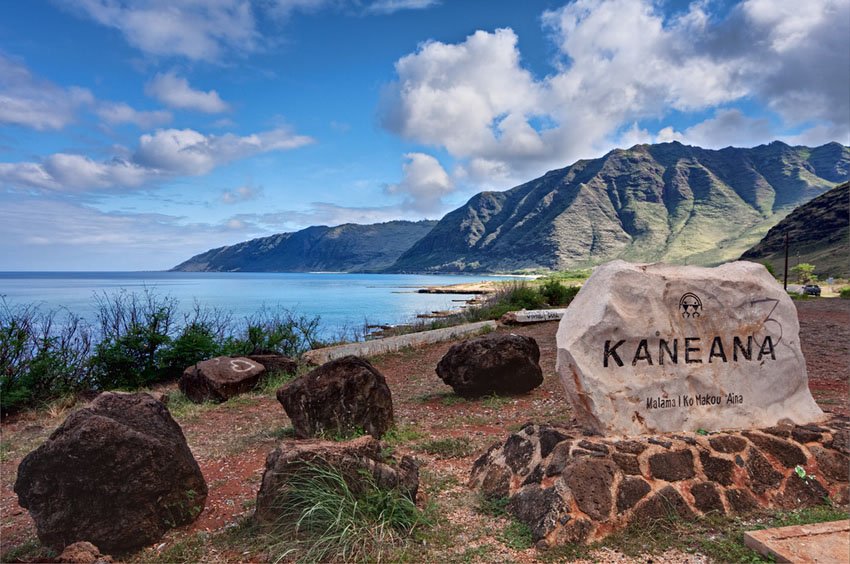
column 818, row 233
column 666, row 202
column 344, row 248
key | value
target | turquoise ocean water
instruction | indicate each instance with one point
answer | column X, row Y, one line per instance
column 342, row 301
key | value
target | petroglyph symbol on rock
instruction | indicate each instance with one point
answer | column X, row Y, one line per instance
column 240, row 365
column 691, row 305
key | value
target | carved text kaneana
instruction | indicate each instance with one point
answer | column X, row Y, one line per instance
column 687, row 350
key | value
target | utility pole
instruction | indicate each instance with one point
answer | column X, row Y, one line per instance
column 785, row 284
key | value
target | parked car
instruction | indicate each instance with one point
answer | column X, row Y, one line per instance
column 811, row 290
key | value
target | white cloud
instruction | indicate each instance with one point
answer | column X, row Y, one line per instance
column 115, row 113
column 165, row 153
column 800, row 69
column 73, row 173
column 392, row 6
column 621, row 62
column 51, row 234
column 197, row 30
column 284, row 8
column 241, row 194
column 174, row 91
column 325, row 213
column 727, row 127
column 424, row 183
column 185, row 151
column 819, row 135
column 464, row 97
column 35, row 103
column 39, row 104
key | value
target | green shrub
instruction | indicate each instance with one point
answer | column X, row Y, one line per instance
column 844, row 293
column 325, row 519
column 521, row 296
column 135, row 329
column 196, row 342
column 130, row 360
column 805, row 273
column 278, row 331
column 556, row 294
column 42, row 356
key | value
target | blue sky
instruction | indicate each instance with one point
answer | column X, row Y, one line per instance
column 136, row 134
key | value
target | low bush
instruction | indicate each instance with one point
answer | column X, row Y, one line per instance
column 130, row 360
column 844, row 293
column 195, row 343
column 556, row 294
column 279, row 331
column 134, row 330
column 43, row 356
column 521, row 296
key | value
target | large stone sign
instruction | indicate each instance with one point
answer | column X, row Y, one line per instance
column 658, row 348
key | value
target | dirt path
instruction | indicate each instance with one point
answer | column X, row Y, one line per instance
column 444, row 432
column 825, row 338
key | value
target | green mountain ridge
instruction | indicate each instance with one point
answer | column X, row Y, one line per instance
column 343, row 248
column 667, row 202
column 818, row 233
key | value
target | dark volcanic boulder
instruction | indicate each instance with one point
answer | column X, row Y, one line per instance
column 360, row 462
column 495, row 364
column 339, row 397
column 221, row 378
column 117, row 474
column 274, row 362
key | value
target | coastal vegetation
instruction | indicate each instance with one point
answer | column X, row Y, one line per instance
column 135, row 340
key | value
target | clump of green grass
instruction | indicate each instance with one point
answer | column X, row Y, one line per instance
column 181, row 407
column 322, row 519
column 718, row 537
column 5, row 450
column 340, row 435
column 187, row 549
column 497, row 507
column 809, row 515
column 30, row 551
column 494, row 401
column 451, row 400
column 401, row 434
column 517, row 536
column 274, row 381
column 449, row 447
column 844, row 293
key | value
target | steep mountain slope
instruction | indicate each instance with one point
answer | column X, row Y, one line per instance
column 818, row 233
column 344, row 248
column 666, row 202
